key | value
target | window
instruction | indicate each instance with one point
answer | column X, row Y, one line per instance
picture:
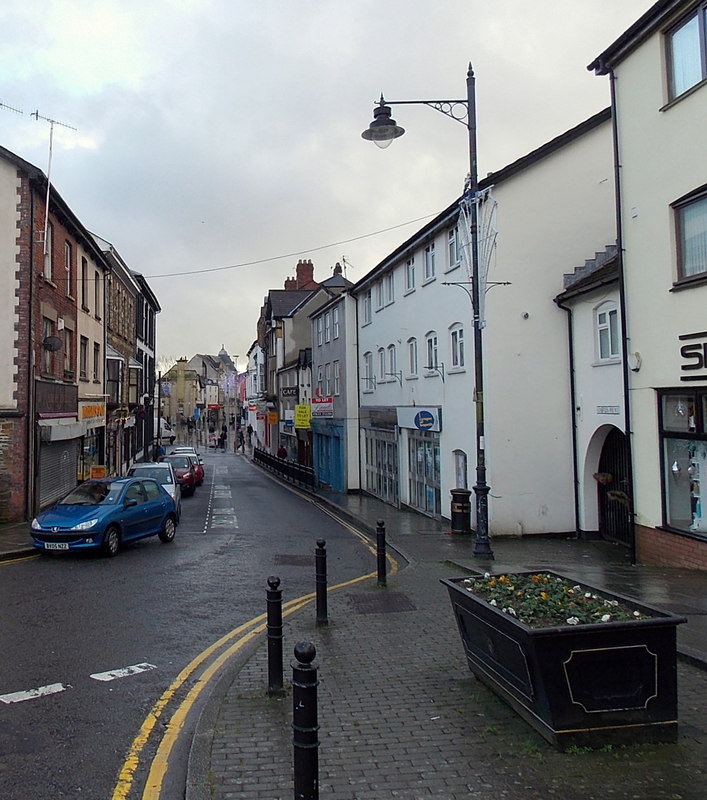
column 96, row 362
column 327, row 327
column 368, row 379
column 48, row 259
column 337, row 378
column 83, row 358
column 366, row 307
column 320, row 380
column 47, row 355
column 97, row 305
column 68, row 267
column 68, row 352
column 113, row 387
column 392, row 361
column 381, row 364
column 687, row 64
column 327, row 380
column 388, row 289
column 335, row 322
column 412, row 357
column 607, row 327
column 84, row 284
column 430, row 261
column 431, row 345
column 380, row 300
column 691, row 218
column 453, row 251
column 320, row 332
column 683, row 431
column 457, row 336
column 410, row 274
column 134, row 383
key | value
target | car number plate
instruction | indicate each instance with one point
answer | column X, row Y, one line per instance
column 56, row 545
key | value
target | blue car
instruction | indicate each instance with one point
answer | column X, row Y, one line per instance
column 104, row 513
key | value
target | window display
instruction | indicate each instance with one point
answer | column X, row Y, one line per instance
column 684, row 460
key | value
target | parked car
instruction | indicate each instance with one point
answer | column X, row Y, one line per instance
column 196, row 457
column 104, row 514
column 163, row 473
column 185, row 471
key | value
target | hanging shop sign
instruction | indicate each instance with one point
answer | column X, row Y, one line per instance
column 421, row 419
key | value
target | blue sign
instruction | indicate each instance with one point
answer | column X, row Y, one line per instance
column 424, row 421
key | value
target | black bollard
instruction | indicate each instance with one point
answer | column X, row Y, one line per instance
column 274, row 626
column 305, row 724
column 380, row 552
column 320, row 559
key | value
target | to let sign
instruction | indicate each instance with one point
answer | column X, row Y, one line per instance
column 322, row 407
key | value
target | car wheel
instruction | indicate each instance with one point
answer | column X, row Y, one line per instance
column 167, row 533
column 111, row 542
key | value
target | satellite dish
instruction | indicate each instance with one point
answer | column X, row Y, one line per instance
column 51, row 343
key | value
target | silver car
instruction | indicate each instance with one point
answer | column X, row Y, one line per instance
column 163, row 473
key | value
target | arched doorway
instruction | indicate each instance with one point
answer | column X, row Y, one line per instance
column 613, row 487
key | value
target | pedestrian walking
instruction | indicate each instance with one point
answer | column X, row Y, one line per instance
column 241, row 440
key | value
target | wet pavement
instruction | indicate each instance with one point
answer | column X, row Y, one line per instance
column 400, row 714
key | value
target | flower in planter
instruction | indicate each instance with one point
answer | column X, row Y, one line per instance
column 543, row 600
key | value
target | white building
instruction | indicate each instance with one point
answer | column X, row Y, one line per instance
column 658, row 73
column 555, row 206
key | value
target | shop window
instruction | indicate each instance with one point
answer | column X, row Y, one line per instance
column 683, row 416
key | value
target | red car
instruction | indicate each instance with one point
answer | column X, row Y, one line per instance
column 185, row 471
column 195, row 457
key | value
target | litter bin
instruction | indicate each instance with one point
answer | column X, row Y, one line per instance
column 461, row 511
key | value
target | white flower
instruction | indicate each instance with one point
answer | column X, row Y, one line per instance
column 573, row 621
column 636, row 613
column 588, row 595
column 512, row 611
column 606, row 618
column 487, row 574
column 492, row 603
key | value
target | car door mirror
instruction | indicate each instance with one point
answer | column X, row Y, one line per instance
column 130, row 501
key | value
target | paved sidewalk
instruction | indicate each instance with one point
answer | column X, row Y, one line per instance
column 400, row 714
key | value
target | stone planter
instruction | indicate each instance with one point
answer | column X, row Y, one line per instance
column 582, row 685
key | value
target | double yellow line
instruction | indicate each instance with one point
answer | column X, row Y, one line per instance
column 233, row 641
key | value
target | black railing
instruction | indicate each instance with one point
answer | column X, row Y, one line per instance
column 297, row 473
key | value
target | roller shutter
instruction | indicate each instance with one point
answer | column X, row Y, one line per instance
column 58, row 463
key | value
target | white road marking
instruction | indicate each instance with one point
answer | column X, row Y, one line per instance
column 31, row 694
column 122, row 673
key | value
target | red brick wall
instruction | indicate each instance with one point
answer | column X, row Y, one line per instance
column 656, row 548
column 13, row 429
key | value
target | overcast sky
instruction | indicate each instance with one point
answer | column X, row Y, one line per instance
column 219, row 141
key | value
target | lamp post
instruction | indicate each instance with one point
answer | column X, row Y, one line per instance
column 382, row 131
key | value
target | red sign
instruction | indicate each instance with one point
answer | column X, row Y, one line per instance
column 213, row 406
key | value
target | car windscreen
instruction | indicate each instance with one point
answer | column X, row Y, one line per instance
column 92, row 493
column 179, row 462
column 163, row 475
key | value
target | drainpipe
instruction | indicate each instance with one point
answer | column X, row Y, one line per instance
column 623, row 315
column 573, row 403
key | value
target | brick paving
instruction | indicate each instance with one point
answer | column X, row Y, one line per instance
column 401, row 716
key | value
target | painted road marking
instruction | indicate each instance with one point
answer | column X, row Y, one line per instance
column 113, row 674
column 32, row 694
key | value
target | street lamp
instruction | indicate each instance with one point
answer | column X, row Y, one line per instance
column 382, row 131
